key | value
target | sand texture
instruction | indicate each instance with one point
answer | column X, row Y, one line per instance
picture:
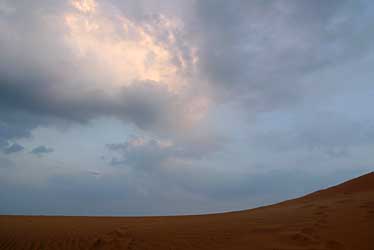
column 337, row 218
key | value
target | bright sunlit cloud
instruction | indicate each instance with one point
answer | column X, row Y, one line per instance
column 124, row 51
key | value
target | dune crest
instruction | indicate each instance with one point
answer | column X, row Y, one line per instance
column 336, row 218
column 360, row 184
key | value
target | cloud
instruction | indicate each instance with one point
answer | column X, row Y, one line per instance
column 15, row 124
column 225, row 98
column 14, row 148
column 144, row 153
column 267, row 48
column 134, row 70
column 141, row 152
column 333, row 133
column 41, row 150
column 160, row 72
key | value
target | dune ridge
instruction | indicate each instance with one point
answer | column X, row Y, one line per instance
column 336, row 218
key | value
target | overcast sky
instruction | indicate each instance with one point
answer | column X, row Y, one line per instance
column 128, row 107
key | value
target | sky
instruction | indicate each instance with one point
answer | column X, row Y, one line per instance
column 161, row 107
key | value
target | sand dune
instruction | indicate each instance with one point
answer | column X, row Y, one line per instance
column 341, row 217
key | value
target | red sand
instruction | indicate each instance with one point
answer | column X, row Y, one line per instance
column 341, row 217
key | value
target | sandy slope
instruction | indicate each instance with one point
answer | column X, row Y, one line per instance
column 341, row 217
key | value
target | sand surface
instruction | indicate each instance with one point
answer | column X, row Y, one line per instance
column 341, row 217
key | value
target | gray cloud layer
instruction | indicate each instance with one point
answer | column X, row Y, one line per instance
column 258, row 51
column 259, row 58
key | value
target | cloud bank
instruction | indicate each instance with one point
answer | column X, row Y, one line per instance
column 206, row 92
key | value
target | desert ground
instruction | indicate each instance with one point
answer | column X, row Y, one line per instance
column 340, row 217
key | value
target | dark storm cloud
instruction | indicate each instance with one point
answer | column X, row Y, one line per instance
column 41, row 150
column 144, row 104
column 34, row 91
